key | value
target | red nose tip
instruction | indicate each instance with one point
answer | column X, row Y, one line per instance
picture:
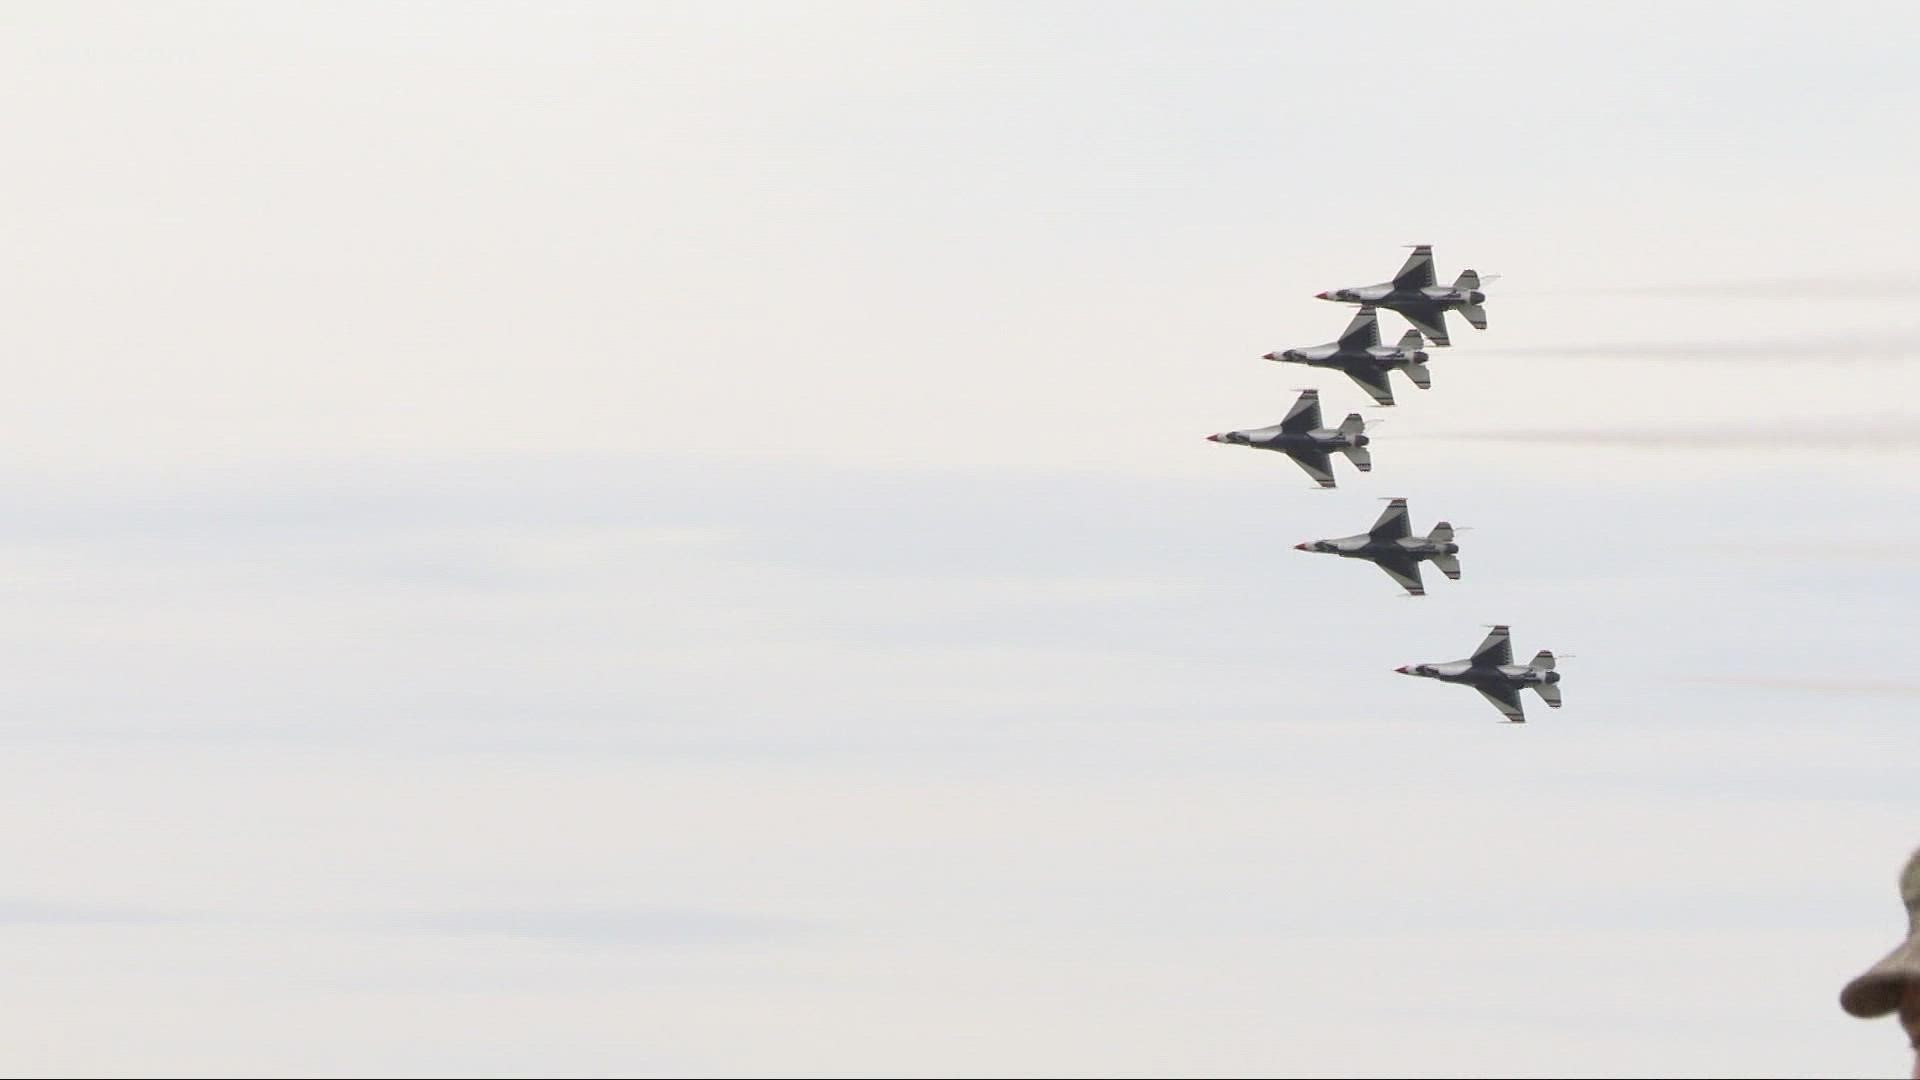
column 1299, row 547
column 1321, row 296
column 1213, row 438
column 1402, row 669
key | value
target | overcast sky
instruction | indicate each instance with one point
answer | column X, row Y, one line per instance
column 676, row 539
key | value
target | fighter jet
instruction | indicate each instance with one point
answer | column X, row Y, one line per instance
column 1491, row 671
column 1366, row 361
column 1301, row 438
column 1413, row 294
column 1391, row 546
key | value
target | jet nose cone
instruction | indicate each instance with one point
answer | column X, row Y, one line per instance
column 1213, row 438
column 1302, row 547
column 1402, row 669
column 1270, row 356
column 1322, row 296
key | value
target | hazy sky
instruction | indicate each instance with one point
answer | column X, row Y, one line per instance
column 595, row 539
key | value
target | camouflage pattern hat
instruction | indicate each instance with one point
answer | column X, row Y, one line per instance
column 1879, row 991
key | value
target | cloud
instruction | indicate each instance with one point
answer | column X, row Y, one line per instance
column 597, row 926
column 1891, row 346
column 1887, row 286
column 1893, row 433
column 30, row 912
column 1816, row 685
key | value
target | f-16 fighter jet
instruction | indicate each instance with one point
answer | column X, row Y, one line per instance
column 1413, row 294
column 1491, row 671
column 1366, row 361
column 1301, row 438
column 1391, row 546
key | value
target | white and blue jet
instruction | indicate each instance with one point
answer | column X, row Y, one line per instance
column 1413, row 294
column 1491, row 671
column 1301, row 437
column 1359, row 353
column 1391, row 546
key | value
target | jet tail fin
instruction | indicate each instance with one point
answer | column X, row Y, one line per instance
column 1442, row 533
column 1467, row 280
column 1550, row 693
column 1410, row 341
column 1353, row 424
column 1361, row 459
column 1543, row 661
column 1475, row 314
column 1421, row 377
column 1448, row 565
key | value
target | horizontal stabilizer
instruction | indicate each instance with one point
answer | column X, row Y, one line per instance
column 1550, row 693
column 1410, row 341
column 1353, row 424
column 1359, row 456
column 1421, row 377
column 1476, row 314
column 1442, row 533
column 1468, row 280
column 1448, row 565
column 1543, row 661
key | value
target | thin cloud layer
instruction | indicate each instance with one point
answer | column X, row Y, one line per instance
column 1891, row 434
column 1892, row 346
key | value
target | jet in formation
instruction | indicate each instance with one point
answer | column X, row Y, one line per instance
column 1491, row 671
column 1391, row 546
column 1366, row 361
column 1414, row 295
column 1301, row 437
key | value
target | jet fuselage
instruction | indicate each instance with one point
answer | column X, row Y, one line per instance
column 1379, row 357
column 1387, row 296
column 1272, row 438
column 1515, row 676
column 1364, row 546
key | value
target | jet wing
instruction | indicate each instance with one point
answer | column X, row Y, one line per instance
column 1506, row 699
column 1418, row 272
column 1405, row 571
column 1363, row 332
column 1316, row 464
column 1304, row 416
column 1431, row 321
column 1393, row 523
column 1496, row 651
column 1374, row 381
